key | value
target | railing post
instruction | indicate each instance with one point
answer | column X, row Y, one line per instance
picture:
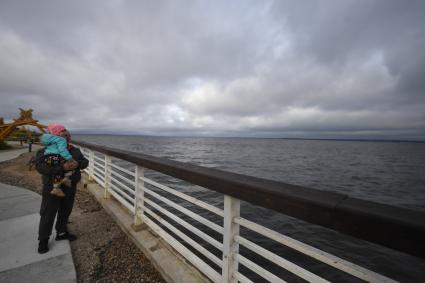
column 230, row 247
column 108, row 172
column 138, row 198
column 91, row 164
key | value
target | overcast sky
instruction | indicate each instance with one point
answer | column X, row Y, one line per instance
column 233, row 68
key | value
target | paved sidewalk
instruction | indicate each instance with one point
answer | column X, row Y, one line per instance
column 19, row 260
column 13, row 153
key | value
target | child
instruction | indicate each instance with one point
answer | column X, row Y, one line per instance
column 56, row 153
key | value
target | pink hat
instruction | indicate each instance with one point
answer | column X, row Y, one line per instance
column 55, row 129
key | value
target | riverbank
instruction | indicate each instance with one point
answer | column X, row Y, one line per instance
column 102, row 253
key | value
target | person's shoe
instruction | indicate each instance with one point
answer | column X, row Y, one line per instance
column 43, row 246
column 65, row 236
column 57, row 192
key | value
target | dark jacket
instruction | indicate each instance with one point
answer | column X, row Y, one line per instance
column 48, row 172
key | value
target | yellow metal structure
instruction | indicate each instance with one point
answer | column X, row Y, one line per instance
column 25, row 118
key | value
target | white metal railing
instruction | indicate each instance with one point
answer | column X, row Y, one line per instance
column 134, row 191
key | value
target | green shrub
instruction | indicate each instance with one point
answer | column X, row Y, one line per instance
column 4, row 145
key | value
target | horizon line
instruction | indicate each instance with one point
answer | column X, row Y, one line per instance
column 257, row 137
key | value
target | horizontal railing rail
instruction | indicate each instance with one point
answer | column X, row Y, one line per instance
column 393, row 227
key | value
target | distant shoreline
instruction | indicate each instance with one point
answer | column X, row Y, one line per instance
column 276, row 138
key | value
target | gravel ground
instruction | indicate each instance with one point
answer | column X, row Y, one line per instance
column 102, row 252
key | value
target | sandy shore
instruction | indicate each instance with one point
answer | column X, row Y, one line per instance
column 102, row 252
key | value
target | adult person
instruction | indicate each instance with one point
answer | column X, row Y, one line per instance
column 53, row 206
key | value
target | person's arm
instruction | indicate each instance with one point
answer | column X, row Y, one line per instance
column 45, row 139
column 79, row 157
column 43, row 168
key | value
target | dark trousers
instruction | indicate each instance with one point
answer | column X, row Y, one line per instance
column 52, row 206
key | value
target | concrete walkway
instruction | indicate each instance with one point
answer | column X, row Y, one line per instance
column 19, row 259
column 11, row 154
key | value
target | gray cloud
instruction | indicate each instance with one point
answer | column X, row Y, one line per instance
column 276, row 68
column 339, row 32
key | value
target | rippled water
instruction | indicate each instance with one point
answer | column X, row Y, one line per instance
column 387, row 172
